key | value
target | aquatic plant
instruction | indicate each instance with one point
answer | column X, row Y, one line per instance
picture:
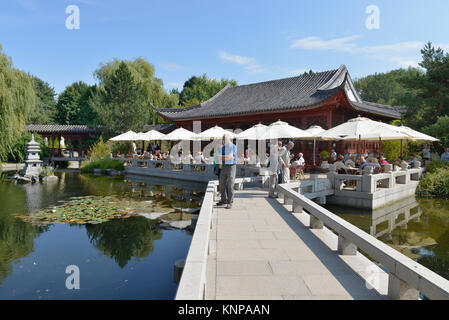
column 104, row 164
column 89, row 209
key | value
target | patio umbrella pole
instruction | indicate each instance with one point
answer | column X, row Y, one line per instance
column 314, row 150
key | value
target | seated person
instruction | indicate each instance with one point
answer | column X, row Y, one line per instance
column 383, row 161
column 412, row 160
column 118, row 155
column 147, row 155
column 339, row 165
column 351, row 162
column 374, row 164
column 362, row 163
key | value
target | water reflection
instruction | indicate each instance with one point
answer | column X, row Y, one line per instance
column 127, row 243
column 419, row 228
column 122, row 240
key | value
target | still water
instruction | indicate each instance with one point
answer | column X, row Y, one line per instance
column 120, row 259
column 419, row 228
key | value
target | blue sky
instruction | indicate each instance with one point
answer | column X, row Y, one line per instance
column 246, row 40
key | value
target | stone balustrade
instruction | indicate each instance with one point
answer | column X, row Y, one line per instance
column 406, row 277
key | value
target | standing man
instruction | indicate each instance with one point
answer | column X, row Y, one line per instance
column 227, row 175
column 273, row 170
column 284, row 161
column 445, row 155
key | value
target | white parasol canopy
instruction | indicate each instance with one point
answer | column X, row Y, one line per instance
column 363, row 129
column 127, row 136
column 180, row 134
column 414, row 135
column 153, row 135
column 253, row 133
column 282, row 130
column 215, row 133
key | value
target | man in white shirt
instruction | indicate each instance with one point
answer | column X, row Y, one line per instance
column 284, row 161
column 273, row 170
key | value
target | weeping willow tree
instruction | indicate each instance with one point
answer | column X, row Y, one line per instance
column 17, row 99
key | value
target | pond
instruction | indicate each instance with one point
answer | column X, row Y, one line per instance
column 419, row 228
column 130, row 258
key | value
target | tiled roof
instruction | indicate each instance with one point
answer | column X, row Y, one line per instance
column 57, row 128
column 293, row 93
column 163, row 128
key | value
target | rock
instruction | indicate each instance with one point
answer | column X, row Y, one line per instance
column 52, row 178
column 97, row 171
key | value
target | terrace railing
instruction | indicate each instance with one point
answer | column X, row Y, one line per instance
column 406, row 277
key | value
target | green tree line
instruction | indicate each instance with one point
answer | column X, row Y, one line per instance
column 422, row 92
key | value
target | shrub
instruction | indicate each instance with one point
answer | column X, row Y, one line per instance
column 433, row 166
column 100, row 150
column 89, row 166
column 18, row 152
column 435, row 183
column 324, row 154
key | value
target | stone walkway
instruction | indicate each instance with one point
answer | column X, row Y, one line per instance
column 260, row 250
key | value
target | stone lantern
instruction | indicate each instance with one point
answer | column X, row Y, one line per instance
column 33, row 163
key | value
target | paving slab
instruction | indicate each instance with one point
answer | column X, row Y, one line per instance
column 263, row 251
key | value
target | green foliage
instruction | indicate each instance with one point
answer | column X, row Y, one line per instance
column 127, row 90
column 388, row 88
column 324, row 154
column 17, row 99
column 392, row 149
column 73, row 106
column 433, row 166
column 440, row 130
column 89, row 166
column 18, row 149
column 99, row 150
column 432, row 100
column 199, row 89
column 435, row 182
column 45, row 110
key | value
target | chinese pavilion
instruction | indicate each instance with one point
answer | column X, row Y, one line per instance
column 325, row 98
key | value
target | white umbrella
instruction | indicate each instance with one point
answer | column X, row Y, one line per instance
column 363, row 129
column 413, row 134
column 127, row 136
column 316, row 131
column 140, row 136
column 153, row 135
column 180, row 134
column 282, row 130
column 215, row 133
column 253, row 133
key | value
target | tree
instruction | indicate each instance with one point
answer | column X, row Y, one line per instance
column 17, row 99
column 432, row 100
column 120, row 102
column 388, row 88
column 152, row 91
column 440, row 130
column 45, row 109
column 199, row 89
column 73, row 106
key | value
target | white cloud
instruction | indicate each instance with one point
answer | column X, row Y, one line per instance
column 316, row 43
column 250, row 64
column 404, row 54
